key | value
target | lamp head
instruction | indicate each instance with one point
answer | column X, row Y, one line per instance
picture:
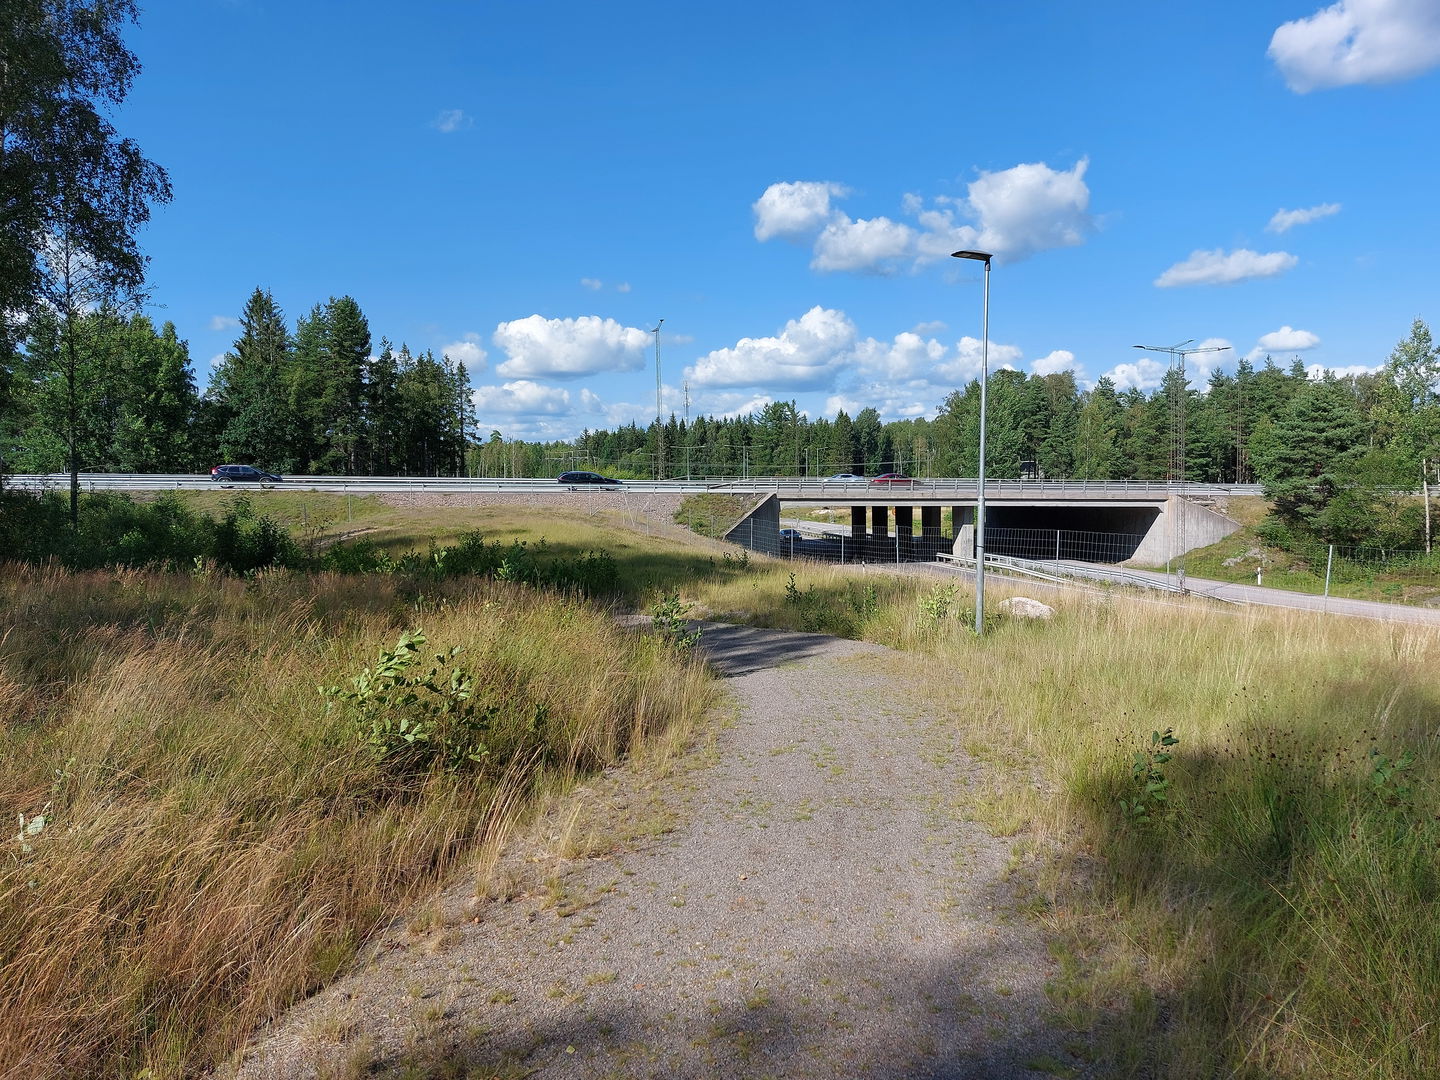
column 978, row 256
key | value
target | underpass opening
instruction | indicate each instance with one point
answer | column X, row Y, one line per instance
column 1089, row 534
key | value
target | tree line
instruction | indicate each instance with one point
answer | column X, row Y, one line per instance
column 1240, row 428
column 118, row 395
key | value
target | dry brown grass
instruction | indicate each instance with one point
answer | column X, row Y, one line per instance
column 217, row 843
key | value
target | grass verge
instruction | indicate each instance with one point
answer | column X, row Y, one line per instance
column 1258, row 899
column 212, row 840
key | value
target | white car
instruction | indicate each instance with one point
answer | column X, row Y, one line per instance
column 843, row 478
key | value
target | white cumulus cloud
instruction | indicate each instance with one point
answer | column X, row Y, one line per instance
column 794, row 209
column 1142, row 374
column 1221, row 268
column 1288, row 339
column 1288, row 219
column 467, row 351
column 1358, row 41
column 522, row 397
column 223, row 322
column 804, row 355
column 909, row 356
column 1012, row 213
column 964, row 364
column 1055, row 362
column 568, row 348
column 872, row 246
column 593, row 284
column 1031, row 208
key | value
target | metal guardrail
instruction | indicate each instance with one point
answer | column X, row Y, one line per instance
column 1049, row 570
column 782, row 486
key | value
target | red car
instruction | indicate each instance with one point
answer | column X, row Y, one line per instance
column 893, row 478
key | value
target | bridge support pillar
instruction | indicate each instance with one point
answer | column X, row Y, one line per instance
column 962, row 529
column 905, row 520
column 857, row 522
column 880, row 521
column 929, row 521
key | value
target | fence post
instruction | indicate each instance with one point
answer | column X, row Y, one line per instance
column 1329, row 562
column 897, row 545
column 1057, row 545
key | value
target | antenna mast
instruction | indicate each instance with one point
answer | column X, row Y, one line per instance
column 1179, row 411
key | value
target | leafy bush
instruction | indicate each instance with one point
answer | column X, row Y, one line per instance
column 415, row 722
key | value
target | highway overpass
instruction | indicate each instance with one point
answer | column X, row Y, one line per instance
column 1149, row 522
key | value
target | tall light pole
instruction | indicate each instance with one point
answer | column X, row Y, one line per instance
column 1179, row 442
column 985, row 257
column 659, row 423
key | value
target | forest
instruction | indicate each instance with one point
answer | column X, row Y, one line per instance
column 119, row 395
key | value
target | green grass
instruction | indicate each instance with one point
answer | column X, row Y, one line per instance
column 1237, row 558
column 1276, row 916
column 714, row 515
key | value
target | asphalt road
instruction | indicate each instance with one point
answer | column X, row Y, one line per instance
column 1333, row 605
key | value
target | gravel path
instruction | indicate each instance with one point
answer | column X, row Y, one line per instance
column 822, row 908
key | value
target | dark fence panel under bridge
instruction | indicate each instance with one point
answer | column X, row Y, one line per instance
column 1071, row 544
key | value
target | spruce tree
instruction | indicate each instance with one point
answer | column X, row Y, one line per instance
column 250, row 389
column 1305, row 459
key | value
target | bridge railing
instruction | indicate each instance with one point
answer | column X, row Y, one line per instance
column 969, row 487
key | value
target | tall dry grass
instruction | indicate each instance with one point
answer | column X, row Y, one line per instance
column 1279, row 914
column 216, row 842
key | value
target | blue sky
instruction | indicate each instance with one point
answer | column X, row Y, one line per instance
column 531, row 186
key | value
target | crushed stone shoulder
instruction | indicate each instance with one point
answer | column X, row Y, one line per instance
column 823, row 907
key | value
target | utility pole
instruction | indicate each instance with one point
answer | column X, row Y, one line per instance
column 659, row 423
column 1179, row 411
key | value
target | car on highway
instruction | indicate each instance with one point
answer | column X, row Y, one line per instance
column 893, row 478
column 585, row 478
column 245, row 474
column 844, row 478
column 791, row 535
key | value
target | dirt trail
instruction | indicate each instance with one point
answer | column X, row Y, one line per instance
column 823, row 908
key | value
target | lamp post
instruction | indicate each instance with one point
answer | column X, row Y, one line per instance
column 659, row 422
column 985, row 257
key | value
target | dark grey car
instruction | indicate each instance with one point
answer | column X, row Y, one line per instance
column 229, row 474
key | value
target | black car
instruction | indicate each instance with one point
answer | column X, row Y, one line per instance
column 585, row 478
column 229, row 474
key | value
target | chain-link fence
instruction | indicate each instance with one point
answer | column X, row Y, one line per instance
column 1072, row 545
column 836, row 541
column 1349, row 564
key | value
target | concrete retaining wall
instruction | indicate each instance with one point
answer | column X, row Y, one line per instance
column 759, row 530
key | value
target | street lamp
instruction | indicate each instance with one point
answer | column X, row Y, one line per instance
column 659, row 423
column 985, row 257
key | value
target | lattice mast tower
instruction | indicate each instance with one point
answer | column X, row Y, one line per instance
column 1179, row 414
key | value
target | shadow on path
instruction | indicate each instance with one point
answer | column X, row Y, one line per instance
column 741, row 650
